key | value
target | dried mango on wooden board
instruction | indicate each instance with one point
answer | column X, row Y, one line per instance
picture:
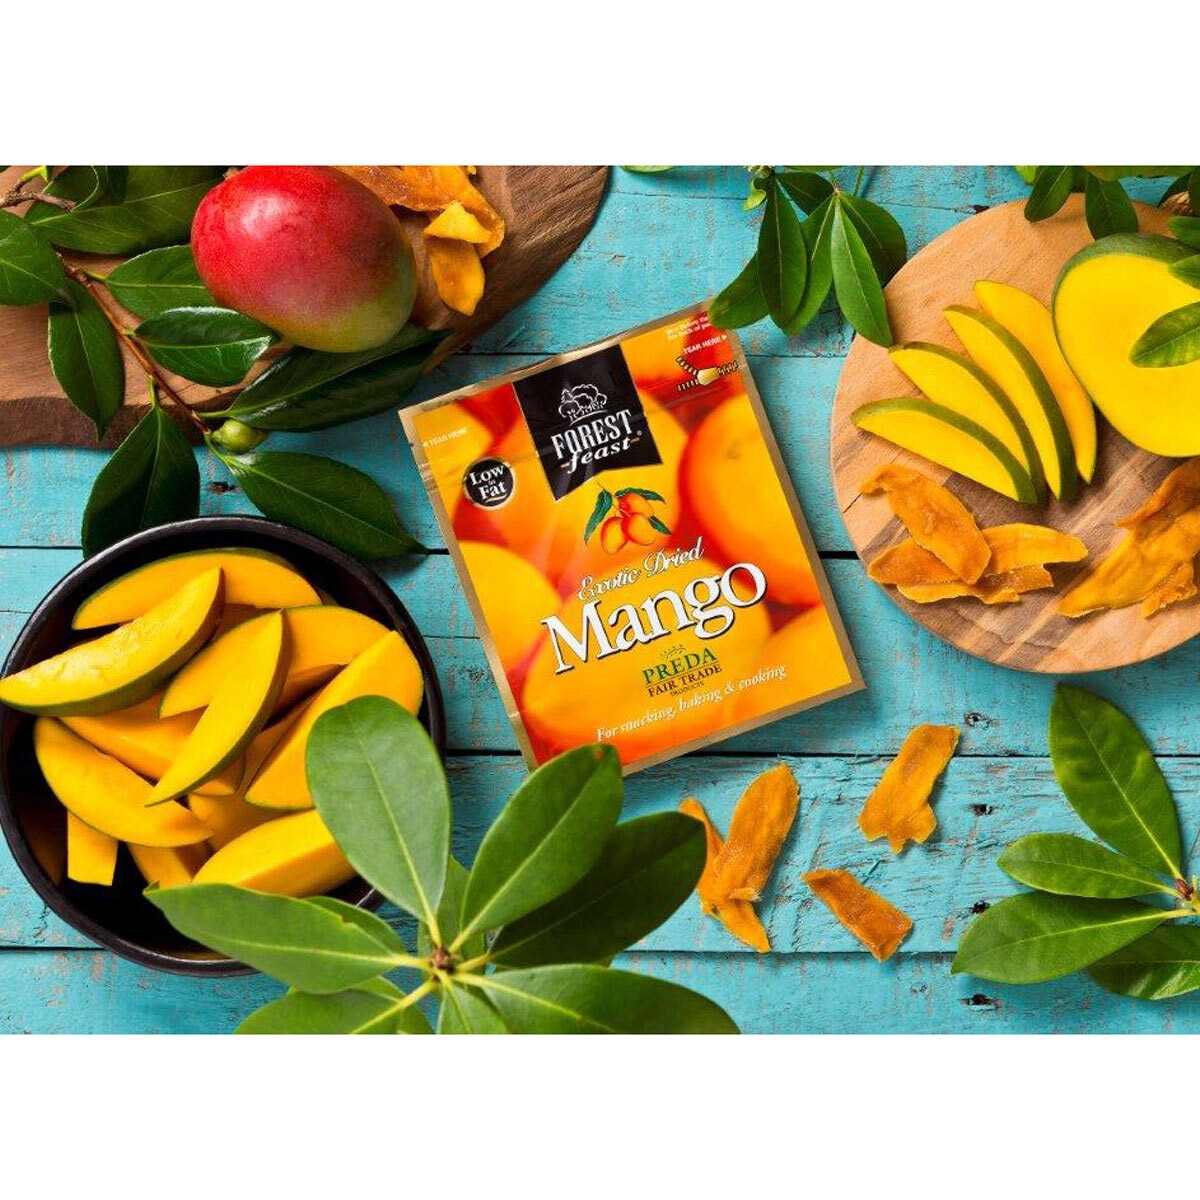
column 738, row 868
column 880, row 926
column 1006, row 588
column 899, row 807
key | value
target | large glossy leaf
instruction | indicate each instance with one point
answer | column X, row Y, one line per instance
column 29, row 269
column 85, row 357
column 1035, row 936
column 647, row 869
column 157, row 210
column 548, row 836
column 370, row 1009
column 1108, row 773
column 310, row 389
column 370, row 923
column 854, row 280
column 1163, row 964
column 592, row 999
column 1051, row 187
column 782, row 258
column 213, row 346
column 159, row 280
column 881, row 234
column 325, row 497
column 1171, row 341
column 1107, row 208
column 465, row 1009
column 1073, row 866
column 806, row 188
column 379, row 786
column 741, row 303
column 449, row 915
column 1187, row 269
column 1186, row 230
column 816, row 229
column 151, row 479
column 304, row 945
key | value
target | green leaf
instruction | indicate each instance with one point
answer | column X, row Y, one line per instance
column 1034, row 937
column 645, row 170
column 647, row 493
column 449, row 913
column 1111, row 172
column 782, row 259
column 603, row 504
column 741, row 302
column 1073, row 866
column 1108, row 774
column 1193, row 189
column 661, row 525
column 356, row 1010
column 309, row 389
column 379, row 786
column 372, row 924
column 213, row 346
column 816, row 229
column 151, row 479
column 1171, row 341
column 592, row 999
column 304, row 945
column 647, row 869
column 85, row 357
column 1162, row 964
column 466, row 1010
column 880, row 232
column 158, row 280
column 806, row 188
column 157, row 209
column 112, row 182
column 548, row 836
column 854, row 280
column 1187, row 269
column 324, row 497
column 1107, row 208
column 29, row 269
column 1186, row 230
column 1051, row 187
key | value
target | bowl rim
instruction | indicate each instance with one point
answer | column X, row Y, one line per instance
column 433, row 711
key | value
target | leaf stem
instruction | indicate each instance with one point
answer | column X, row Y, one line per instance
column 415, row 996
column 472, row 965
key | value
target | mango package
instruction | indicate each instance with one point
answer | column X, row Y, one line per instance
column 631, row 546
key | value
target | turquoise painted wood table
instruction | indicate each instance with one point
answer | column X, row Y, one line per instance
column 662, row 242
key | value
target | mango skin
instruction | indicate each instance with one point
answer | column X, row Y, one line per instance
column 308, row 251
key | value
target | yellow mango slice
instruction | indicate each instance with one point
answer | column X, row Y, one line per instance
column 514, row 595
column 1105, row 299
column 457, row 273
column 124, row 666
column 293, row 855
column 148, row 744
column 456, row 223
column 386, row 668
column 107, row 795
column 252, row 577
column 949, row 439
column 319, row 638
column 996, row 352
column 1029, row 321
column 238, row 711
column 168, row 866
column 91, row 855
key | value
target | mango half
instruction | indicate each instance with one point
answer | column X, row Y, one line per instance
column 1105, row 299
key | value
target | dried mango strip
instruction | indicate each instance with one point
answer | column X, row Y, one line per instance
column 1180, row 585
column 1007, row 588
column 880, row 926
column 899, row 808
column 739, row 917
column 760, row 825
column 935, row 517
column 456, row 223
column 457, row 273
column 1013, row 547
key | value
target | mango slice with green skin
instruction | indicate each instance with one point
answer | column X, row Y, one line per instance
column 1105, row 299
column 238, row 711
column 148, row 744
column 293, row 855
column 124, row 666
column 168, row 866
column 91, row 855
column 252, row 577
column 387, row 668
column 321, row 638
column 107, row 795
column 996, row 352
column 1029, row 321
column 955, row 382
column 949, row 439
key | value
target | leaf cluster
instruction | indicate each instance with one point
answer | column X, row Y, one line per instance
column 517, row 943
column 1174, row 338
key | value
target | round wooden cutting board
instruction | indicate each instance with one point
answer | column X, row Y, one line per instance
column 1030, row 635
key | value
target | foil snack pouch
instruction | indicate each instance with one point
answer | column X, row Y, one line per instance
column 631, row 547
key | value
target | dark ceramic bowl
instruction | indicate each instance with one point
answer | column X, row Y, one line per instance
column 34, row 822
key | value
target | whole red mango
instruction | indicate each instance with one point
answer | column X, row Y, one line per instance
column 309, row 252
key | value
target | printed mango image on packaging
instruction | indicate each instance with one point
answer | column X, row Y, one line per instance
column 631, row 546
